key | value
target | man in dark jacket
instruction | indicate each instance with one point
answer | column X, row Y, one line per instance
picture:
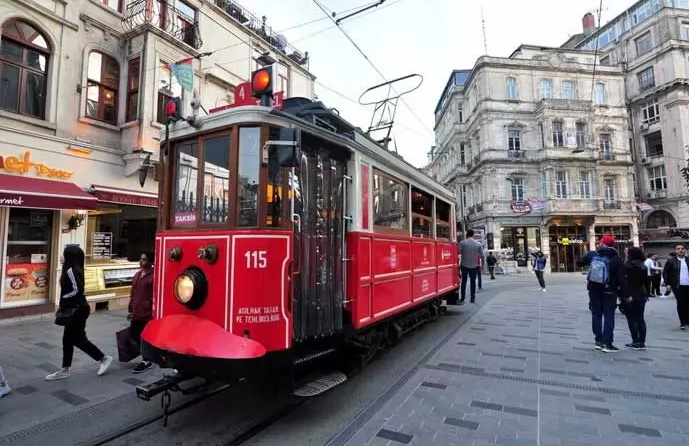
column 676, row 274
column 604, row 294
column 141, row 304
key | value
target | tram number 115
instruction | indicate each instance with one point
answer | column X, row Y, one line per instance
column 256, row 259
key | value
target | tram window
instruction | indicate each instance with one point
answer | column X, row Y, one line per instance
column 186, row 198
column 442, row 220
column 274, row 187
column 390, row 202
column 216, row 180
column 248, row 180
column 421, row 214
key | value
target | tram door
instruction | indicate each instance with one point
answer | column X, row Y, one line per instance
column 319, row 231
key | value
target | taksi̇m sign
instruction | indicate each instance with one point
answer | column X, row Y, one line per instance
column 23, row 165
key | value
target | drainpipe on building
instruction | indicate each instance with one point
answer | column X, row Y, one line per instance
column 142, row 88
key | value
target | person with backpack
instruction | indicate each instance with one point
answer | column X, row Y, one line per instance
column 605, row 285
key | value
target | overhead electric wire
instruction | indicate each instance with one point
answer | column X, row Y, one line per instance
column 363, row 54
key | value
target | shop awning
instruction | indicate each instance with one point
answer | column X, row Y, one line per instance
column 124, row 196
column 24, row 192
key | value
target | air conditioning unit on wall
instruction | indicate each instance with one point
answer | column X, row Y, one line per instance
column 645, row 161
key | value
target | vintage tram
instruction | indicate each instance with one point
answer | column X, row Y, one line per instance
column 284, row 234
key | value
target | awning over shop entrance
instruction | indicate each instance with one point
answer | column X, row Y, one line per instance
column 23, row 192
column 124, row 196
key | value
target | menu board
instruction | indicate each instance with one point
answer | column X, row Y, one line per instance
column 101, row 245
column 26, row 281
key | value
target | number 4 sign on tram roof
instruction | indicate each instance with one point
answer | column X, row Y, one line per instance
column 242, row 96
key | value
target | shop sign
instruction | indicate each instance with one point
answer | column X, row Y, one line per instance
column 101, row 245
column 520, row 207
column 123, row 198
column 185, row 218
column 23, row 164
column 567, row 241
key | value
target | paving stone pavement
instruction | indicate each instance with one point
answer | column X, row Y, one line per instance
column 523, row 372
column 32, row 349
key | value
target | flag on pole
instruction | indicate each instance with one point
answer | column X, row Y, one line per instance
column 183, row 71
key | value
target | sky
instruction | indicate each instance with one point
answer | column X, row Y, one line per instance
column 403, row 37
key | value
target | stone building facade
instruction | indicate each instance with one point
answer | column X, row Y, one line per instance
column 536, row 146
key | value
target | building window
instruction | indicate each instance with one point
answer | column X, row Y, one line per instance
column 186, row 18
column 605, row 61
column 283, row 79
column 644, row 44
column 544, row 185
column 654, row 145
column 584, row 184
column 646, row 79
column 568, row 90
column 512, row 90
column 514, row 141
column 558, row 134
column 561, row 184
column 465, row 196
column 166, row 91
column 101, row 92
column 609, row 190
column 685, row 30
column 605, row 140
column 442, row 220
column 546, row 89
column 657, row 178
column 117, row 5
column 462, row 154
column 24, row 57
column 650, row 113
column 390, row 202
column 600, row 94
column 581, row 135
column 461, row 115
column 133, row 81
column 517, row 189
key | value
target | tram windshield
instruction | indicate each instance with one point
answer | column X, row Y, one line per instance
column 220, row 181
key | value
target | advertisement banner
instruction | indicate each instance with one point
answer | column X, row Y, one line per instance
column 26, row 281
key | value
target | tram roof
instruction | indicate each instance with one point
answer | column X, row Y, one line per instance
column 340, row 132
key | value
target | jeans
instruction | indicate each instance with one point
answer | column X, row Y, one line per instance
column 468, row 273
column 539, row 276
column 491, row 270
column 603, row 307
column 478, row 278
column 655, row 284
column 75, row 336
column 634, row 311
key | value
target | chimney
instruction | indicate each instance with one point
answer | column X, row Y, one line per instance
column 589, row 23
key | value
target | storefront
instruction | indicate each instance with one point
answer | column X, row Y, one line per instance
column 568, row 244
column 622, row 234
column 45, row 205
column 520, row 243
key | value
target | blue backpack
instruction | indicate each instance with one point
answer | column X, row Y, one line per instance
column 599, row 270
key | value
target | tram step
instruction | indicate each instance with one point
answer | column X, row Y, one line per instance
column 320, row 384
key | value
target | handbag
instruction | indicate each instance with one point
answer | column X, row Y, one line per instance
column 127, row 349
column 65, row 316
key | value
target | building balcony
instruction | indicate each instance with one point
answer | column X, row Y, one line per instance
column 168, row 19
column 516, row 154
column 572, row 206
column 563, row 105
column 612, row 204
column 258, row 26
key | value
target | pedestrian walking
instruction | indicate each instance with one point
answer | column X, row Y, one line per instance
column 72, row 313
column 605, row 285
column 469, row 249
column 4, row 386
column 479, row 273
column 491, row 261
column 539, row 269
column 141, row 304
column 677, row 279
column 652, row 271
column 635, row 298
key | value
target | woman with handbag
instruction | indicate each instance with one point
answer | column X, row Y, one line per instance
column 72, row 314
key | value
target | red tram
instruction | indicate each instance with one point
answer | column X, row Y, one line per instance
column 285, row 234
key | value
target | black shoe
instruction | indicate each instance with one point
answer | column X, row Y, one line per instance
column 639, row 346
column 683, row 327
column 598, row 345
column 609, row 348
column 142, row 367
column 632, row 345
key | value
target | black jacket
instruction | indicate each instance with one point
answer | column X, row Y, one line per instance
column 72, row 289
column 671, row 271
column 635, row 281
column 617, row 272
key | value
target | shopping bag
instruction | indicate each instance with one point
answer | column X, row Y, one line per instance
column 127, row 349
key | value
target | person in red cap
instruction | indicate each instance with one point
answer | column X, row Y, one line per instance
column 606, row 285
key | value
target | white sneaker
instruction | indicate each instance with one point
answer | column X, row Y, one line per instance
column 104, row 365
column 544, row 290
column 57, row 375
column 4, row 390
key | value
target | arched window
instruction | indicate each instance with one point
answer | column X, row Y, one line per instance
column 101, row 91
column 660, row 219
column 24, row 56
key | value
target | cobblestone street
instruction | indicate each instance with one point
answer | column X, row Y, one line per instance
column 523, row 371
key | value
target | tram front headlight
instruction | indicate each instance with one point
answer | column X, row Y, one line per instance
column 191, row 288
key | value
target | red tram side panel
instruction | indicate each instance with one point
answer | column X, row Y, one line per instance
column 389, row 273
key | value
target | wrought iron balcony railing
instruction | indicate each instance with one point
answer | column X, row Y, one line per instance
column 612, row 205
column 160, row 14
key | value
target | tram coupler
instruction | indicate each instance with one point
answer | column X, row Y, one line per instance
column 165, row 384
